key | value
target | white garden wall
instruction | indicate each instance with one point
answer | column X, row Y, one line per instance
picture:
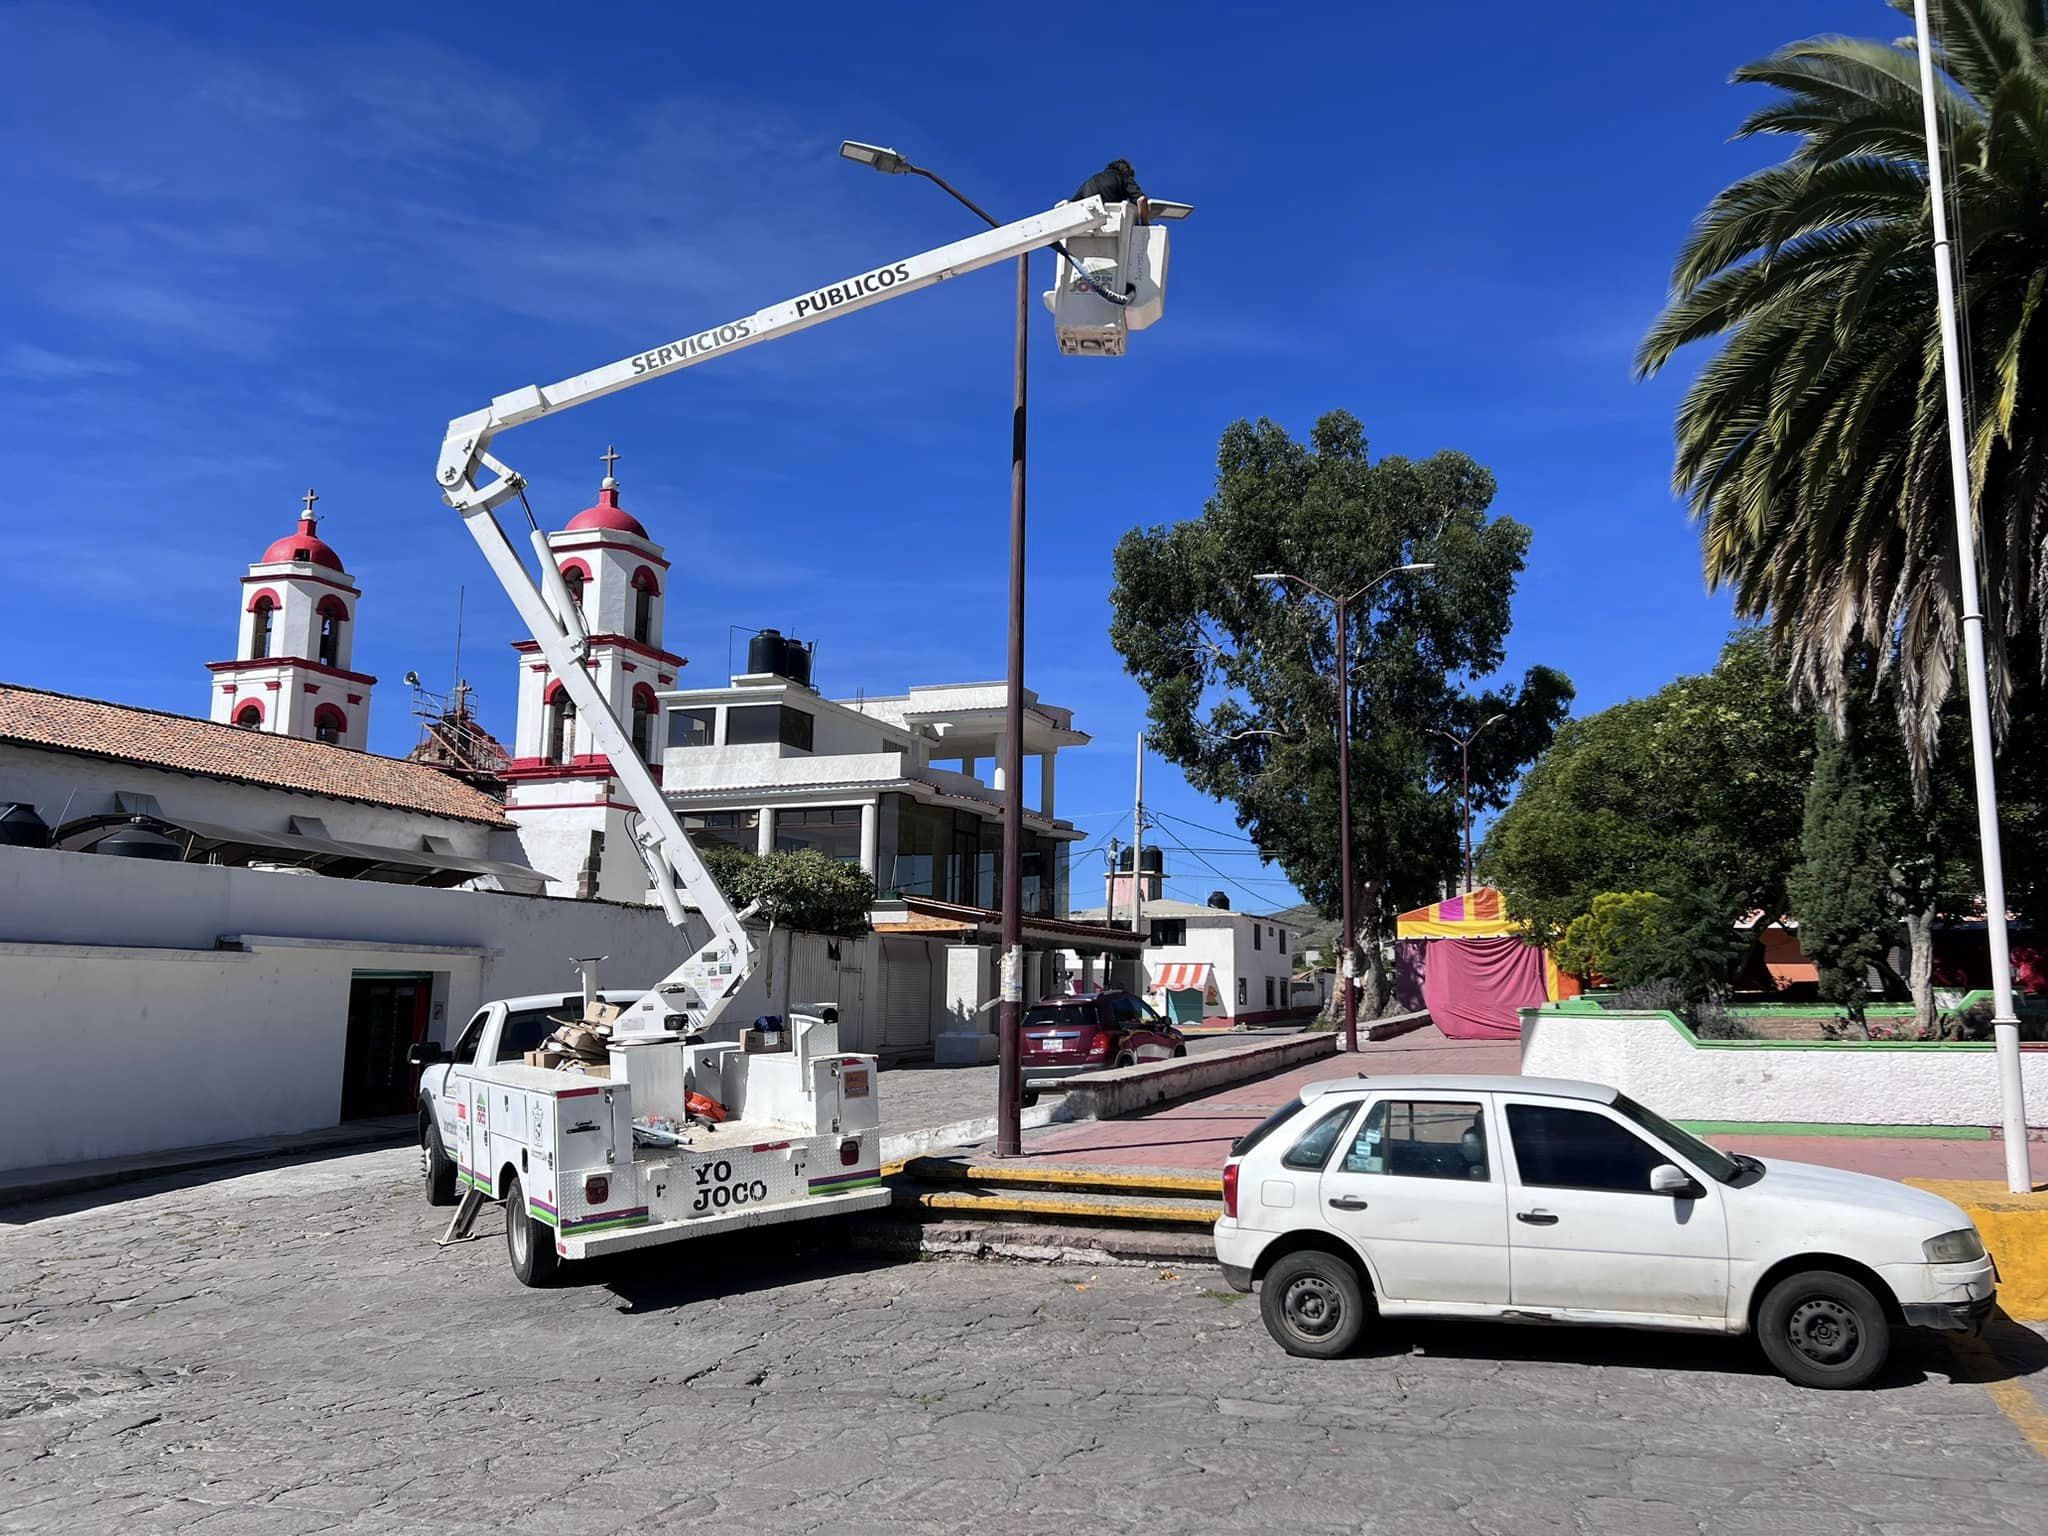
column 1656, row 1061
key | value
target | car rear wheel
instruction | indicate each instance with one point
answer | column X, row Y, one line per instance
column 1314, row 1305
column 1821, row 1328
column 436, row 1167
column 529, row 1244
column 1126, row 1060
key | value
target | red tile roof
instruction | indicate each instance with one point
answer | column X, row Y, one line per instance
column 61, row 722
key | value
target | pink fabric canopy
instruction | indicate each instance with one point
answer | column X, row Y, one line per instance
column 1474, row 987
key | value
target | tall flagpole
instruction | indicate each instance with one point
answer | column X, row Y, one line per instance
column 2005, row 1024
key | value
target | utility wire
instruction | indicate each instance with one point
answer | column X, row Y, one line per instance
column 1212, row 831
column 1226, row 879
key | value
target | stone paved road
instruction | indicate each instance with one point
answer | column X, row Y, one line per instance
column 286, row 1352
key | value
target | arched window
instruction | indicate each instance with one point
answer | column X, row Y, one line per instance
column 645, row 590
column 329, row 724
column 561, row 726
column 573, row 577
column 263, row 609
column 333, row 614
column 646, row 710
column 250, row 716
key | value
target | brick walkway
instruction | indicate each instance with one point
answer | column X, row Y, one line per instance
column 1197, row 1133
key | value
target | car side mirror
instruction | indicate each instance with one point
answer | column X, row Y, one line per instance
column 1666, row 1179
column 426, row 1054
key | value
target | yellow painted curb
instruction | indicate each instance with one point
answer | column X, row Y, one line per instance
column 2015, row 1229
column 1204, row 1186
column 1069, row 1206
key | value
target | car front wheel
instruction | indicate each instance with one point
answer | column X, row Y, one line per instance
column 1314, row 1305
column 436, row 1166
column 1823, row 1329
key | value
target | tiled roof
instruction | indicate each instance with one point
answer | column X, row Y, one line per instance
column 63, row 723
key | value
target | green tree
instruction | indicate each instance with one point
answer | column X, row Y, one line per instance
column 1845, row 891
column 1693, row 791
column 1811, row 446
column 800, row 889
column 1614, row 939
column 1239, row 673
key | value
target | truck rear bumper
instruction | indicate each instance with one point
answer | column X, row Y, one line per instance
column 655, row 1234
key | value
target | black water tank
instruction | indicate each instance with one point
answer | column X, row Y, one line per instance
column 796, row 662
column 766, row 652
column 1219, row 901
column 136, row 841
column 21, row 827
column 1155, row 861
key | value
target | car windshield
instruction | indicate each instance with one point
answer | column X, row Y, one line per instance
column 1718, row 1164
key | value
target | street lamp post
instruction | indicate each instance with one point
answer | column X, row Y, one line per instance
column 1465, row 783
column 1009, row 1014
column 1343, row 605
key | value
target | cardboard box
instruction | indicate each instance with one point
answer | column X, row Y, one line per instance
column 546, row 1056
column 754, row 1042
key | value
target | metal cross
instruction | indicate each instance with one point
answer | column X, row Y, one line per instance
column 611, row 462
column 311, row 497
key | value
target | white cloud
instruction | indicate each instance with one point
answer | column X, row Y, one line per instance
column 40, row 365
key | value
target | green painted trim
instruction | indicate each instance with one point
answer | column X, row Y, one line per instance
column 841, row 1186
column 540, row 1215
column 607, row 1226
column 1572, row 1009
column 1811, row 1128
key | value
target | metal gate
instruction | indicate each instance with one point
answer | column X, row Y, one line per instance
column 906, row 995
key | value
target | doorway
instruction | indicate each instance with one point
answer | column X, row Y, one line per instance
column 387, row 1013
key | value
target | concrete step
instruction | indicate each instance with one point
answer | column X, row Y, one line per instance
column 965, row 1202
column 952, row 1171
column 1034, row 1242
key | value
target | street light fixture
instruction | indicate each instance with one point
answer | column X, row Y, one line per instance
column 884, row 160
column 1343, row 605
column 1465, row 783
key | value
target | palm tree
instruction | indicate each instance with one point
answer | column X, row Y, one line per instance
column 1811, row 447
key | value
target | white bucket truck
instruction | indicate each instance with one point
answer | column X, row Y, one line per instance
column 673, row 1136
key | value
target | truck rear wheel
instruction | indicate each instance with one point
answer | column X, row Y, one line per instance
column 530, row 1244
column 436, row 1165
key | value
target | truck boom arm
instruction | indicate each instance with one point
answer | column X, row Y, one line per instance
column 706, row 982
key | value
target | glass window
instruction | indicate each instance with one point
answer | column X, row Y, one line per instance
column 526, row 1028
column 1280, row 937
column 692, row 727
column 465, row 1048
column 1313, row 1150
column 1265, row 1127
column 1718, row 1164
column 1269, row 991
column 1558, row 1148
column 1169, row 932
column 1255, row 934
column 1240, row 991
column 833, row 831
column 1125, row 1010
column 733, row 829
column 1421, row 1139
column 752, row 725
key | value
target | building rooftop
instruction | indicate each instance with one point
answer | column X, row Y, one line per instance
column 62, row 722
column 1167, row 906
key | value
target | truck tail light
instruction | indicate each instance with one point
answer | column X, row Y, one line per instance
column 597, row 1188
column 1230, row 1190
column 849, row 1153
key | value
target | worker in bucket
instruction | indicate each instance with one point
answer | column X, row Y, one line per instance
column 1117, row 183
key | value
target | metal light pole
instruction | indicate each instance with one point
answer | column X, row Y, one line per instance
column 1465, row 784
column 1343, row 605
column 1010, row 1009
column 2005, row 1024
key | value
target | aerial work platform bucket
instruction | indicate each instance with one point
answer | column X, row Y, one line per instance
column 1128, row 259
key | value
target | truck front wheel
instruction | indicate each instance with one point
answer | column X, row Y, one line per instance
column 436, row 1165
column 530, row 1244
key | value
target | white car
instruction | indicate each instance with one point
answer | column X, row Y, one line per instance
column 1538, row 1200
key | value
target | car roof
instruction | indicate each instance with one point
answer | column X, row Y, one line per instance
column 558, row 999
column 1451, row 1082
column 1078, row 999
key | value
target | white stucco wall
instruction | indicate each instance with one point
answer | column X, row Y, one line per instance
column 1647, row 1057
column 113, row 974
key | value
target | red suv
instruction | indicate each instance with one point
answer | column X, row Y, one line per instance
column 1066, row 1035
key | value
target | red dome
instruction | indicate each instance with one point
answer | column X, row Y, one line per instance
column 607, row 514
column 303, row 545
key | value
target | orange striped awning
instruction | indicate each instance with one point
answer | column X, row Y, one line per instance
column 1182, row 976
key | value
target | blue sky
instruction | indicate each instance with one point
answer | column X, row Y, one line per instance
column 256, row 249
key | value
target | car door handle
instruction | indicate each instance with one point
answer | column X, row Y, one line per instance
column 1347, row 1203
column 1537, row 1218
